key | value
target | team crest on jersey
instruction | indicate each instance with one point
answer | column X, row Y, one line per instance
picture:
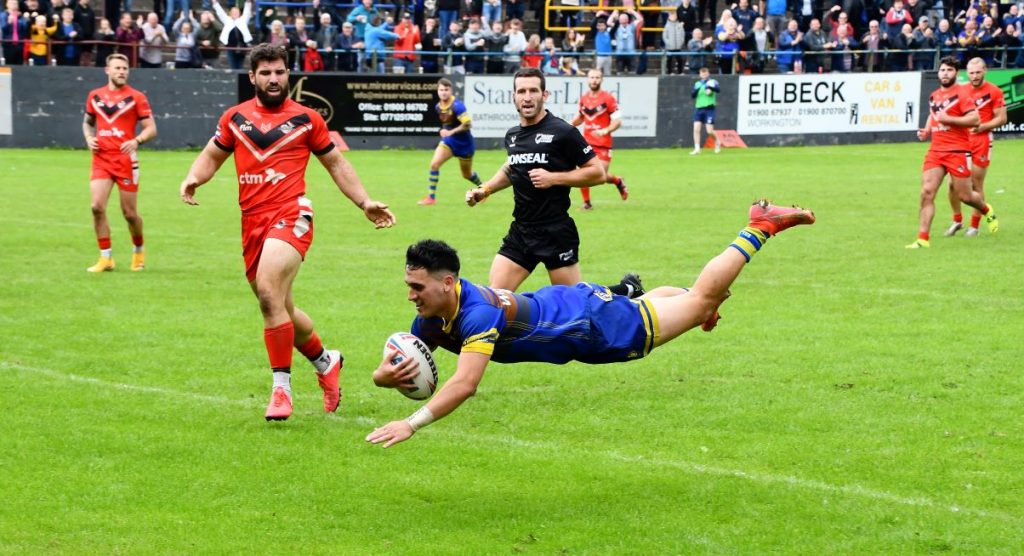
column 512, row 142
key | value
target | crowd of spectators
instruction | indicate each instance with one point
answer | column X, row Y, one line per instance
column 488, row 36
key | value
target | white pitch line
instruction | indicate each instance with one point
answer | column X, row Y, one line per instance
column 512, row 442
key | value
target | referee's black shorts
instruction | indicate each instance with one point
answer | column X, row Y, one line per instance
column 556, row 244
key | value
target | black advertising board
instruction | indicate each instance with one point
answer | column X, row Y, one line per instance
column 370, row 104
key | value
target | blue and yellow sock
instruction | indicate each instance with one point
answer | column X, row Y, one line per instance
column 432, row 186
column 475, row 179
column 749, row 241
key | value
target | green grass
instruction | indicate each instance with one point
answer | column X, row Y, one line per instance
column 856, row 398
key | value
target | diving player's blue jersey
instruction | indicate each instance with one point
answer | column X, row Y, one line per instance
column 451, row 116
column 555, row 324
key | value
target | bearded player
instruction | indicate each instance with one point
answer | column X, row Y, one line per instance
column 599, row 114
column 111, row 114
column 952, row 116
column 272, row 137
column 990, row 103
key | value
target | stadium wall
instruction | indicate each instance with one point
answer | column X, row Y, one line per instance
column 47, row 105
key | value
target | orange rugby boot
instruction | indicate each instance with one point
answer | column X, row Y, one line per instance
column 280, row 407
column 771, row 219
column 138, row 261
column 329, row 382
column 105, row 264
column 427, row 201
column 623, row 190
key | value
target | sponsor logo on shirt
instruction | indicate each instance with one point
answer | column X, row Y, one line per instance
column 271, row 176
column 112, row 132
column 528, row 158
column 544, row 138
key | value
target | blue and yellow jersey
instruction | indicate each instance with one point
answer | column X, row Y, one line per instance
column 452, row 114
column 555, row 324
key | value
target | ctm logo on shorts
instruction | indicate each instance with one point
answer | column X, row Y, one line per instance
column 567, row 256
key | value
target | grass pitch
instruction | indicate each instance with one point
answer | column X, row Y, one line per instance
column 856, row 397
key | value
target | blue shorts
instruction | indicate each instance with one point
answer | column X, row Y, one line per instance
column 705, row 115
column 461, row 145
column 620, row 329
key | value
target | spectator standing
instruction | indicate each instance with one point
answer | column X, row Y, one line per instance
column 758, row 42
column 447, row 12
column 208, row 38
column 838, row 18
column 706, row 10
column 917, row 9
column 901, row 43
column 789, row 59
column 128, row 35
column 515, row 9
column 603, row 45
column 1013, row 17
column 323, row 35
column 814, row 47
column 346, row 47
column 174, row 6
column 85, row 17
column 728, row 45
column 475, row 45
column 187, row 54
column 688, row 17
column 775, row 17
column 515, row 46
column 924, row 41
column 431, row 40
column 299, row 39
column 154, row 36
column 674, row 37
column 842, row 57
column 572, row 45
column 472, row 9
column 945, row 38
column 360, row 16
column 744, row 15
column 491, row 12
column 70, row 33
column 235, row 33
column 39, row 41
column 106, row 34
column 454, row 45
column 13, row 27
column 989, row 38
column 550, row 63
column 377, row 32
column 408, row 44
column 874, row 42
column 625, row 33
column 701, row 46
column 532, row 56
column 496, row 41
column 896, row 17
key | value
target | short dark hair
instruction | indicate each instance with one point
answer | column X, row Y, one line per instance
column 530, row 72
column 265, row 52
column 433, row 256
column 445, row 81
column 951, row 61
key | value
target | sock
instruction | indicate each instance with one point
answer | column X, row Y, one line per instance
column 958, row 218
column 475, row 179
column 279, row 340
column 314, row 350
column 622, row 288
column 432, row 187
column 283, row 378
column 975, row 220
column 749, row 241
column 923, row 235
column 137, row 244
column 104, row 243
column 615, row 179
column 586, row 194
column 987, row 209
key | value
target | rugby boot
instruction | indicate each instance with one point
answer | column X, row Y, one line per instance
column 971, row 232
column 586, row 206
column 427, row 201
column 772, row 219
column 919, row 244
column 633, row 284
column 329, row 382
column 105, row 264
column 991, row 221
column 953, row 229
column 138, row 261
column 623, row 190
column 280, row 407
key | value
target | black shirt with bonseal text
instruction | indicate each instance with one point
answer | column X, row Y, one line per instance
column 555, row 146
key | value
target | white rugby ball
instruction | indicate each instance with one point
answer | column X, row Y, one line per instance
column 406, row 345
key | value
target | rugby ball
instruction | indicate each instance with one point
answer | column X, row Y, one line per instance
column 404, row 345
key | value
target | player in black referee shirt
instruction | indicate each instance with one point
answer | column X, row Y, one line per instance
column 546, row 157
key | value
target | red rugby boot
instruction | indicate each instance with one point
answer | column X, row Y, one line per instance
column 280, row 407
column 329, row 382
column 771, row 219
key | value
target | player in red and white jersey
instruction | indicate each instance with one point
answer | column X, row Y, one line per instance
column 952, row 116
column 272, row 137
column 990, row 103
column 111, row 114
column 599, row 114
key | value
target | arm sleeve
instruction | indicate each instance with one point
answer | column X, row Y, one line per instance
column 88, row 105
column 579, row 151
column 998, row 99
column 319, row 138
column 460, row 111
column 223, row 137
column 142, row 108
column 479, row 329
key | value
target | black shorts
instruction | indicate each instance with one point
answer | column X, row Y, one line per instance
column 556, row 244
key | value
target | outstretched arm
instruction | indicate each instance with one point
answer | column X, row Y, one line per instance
column 205, row 166
column 456, row 390
column 345, row 177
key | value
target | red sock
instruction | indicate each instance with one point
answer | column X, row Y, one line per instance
column 104, row 242
column 279, row 340
column 922, row 235
column 975, row 220
column 312, row 348
column 586, row 194
column 958, row 218
column 986, row 209
column 615, row 180
column 137, row 241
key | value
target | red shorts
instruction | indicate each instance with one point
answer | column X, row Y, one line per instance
column 604, row 154
column 954, row 163
column 291, row 222
column 981, row 149
column 123, row 169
